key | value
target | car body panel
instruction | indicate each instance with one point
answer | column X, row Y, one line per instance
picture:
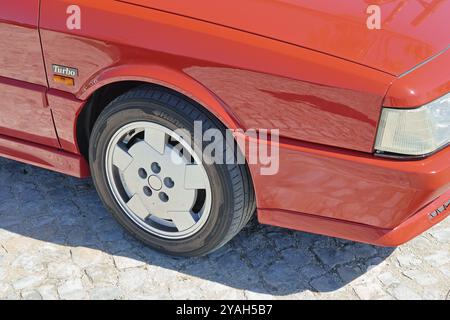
column 310, row 96
column 25, row 114
column 323, row 88
column 411, row 30
column 407, row 230
column 44, row 157
column 65, row 109
column 20, row 49
column 350, row 186
column 23, row 83
column 426, row 83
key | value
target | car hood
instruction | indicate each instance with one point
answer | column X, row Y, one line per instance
column 412, row 31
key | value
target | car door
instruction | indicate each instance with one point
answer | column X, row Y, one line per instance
column 24, row 113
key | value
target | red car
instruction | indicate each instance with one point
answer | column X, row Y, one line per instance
column 357, row 117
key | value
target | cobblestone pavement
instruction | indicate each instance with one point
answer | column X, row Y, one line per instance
column 58, row 242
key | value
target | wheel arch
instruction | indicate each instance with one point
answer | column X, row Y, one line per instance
column 107, row 85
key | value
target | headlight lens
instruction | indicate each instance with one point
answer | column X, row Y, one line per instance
column 417, row 131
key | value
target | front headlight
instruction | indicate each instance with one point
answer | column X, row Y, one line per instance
column 417, row 131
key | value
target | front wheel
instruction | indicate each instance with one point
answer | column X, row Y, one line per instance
column 154, row 181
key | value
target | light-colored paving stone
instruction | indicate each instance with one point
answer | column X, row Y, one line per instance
column 58, row 242
column 72, row 289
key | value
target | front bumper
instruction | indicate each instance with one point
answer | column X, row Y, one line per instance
column 427, row 217
column 354, row 196
column 409, row 229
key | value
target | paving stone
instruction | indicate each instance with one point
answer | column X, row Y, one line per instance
column 31, row 295
column 259, row 257
column 332, row 256
column 250, row 295
column 281, row 239
column 388, row 279
column 327, row 283
column 439, row 258
column 152, row 294
column 303, row 295
column 132, row 279
column 431, row 293
column 183, row 289
column 48, row 292
column 422, row 278
column 283, row 277
column 348, row 273
column 84, row 257
column 405, row 292
column 366, row 292
column 10, row 221
column 408, row 260
column 72, row 290
column 124, row 262
column 361, row 250
column 82, row 236
column 441, row 235
column 105, row 293
column 5, row 290
column 313, row 270
column 296, row 257
column 57, row 241
column 218, row 291
column 28, row 282
column 369, row 288
column 63, row 271
column 445, row 270
column 5, row 235
column 49, row 252
column 102, row 274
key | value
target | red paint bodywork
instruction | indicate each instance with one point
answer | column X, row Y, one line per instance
column 309, row 68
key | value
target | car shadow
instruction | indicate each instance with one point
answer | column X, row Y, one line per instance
column 62, row 210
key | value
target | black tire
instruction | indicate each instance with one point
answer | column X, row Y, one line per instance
column 232, row 191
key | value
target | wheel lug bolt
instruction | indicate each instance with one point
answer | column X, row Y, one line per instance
column 142, row 173
column 156, row 168
column 163, row 197
column 147, row 191
column 169, row 182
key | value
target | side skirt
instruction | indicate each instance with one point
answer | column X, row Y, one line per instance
column 44, row 157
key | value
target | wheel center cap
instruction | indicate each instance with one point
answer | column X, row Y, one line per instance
column 155, row 182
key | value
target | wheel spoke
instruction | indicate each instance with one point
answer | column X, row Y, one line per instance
column 182, row 220
column 156, row 139
column 194, row 177
column 121, row 158
column 137, row 206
